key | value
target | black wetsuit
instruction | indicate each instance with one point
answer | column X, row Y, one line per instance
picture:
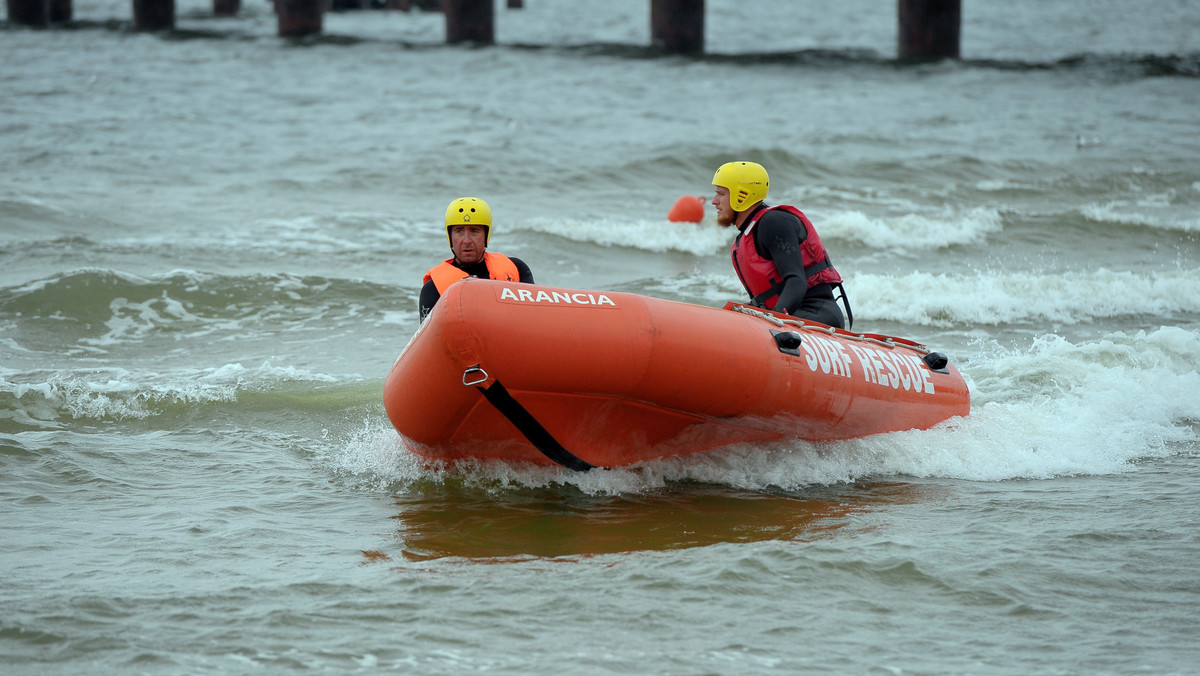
column 429, row 293
column 777, row 237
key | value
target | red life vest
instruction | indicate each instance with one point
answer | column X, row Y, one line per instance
column 499, row 267
column 760, row 276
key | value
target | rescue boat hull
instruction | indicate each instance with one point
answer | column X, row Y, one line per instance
column 548, row 375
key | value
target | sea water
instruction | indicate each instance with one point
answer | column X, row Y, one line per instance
column 211, row 245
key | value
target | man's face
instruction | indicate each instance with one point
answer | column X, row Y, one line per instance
column 725, row 213
column 468, row 243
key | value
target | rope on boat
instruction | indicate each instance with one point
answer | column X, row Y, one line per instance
column 885, row 341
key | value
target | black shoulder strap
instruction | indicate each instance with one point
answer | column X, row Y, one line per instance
column 537, row 435
column 819, row 266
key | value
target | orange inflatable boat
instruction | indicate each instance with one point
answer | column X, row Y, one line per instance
column 584, row 379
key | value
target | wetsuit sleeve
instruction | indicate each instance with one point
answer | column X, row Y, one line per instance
column 778, row 236
column 429, row 297
column 525, row 274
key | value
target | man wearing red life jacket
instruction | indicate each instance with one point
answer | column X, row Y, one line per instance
column 468, row 230
column 777, row 254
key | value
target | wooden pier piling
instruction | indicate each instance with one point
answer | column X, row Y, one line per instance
column 408, row 5
column 153, row 15
column 929, row 29
column 38, row 13
column 677, row 25
column 470, row 21
column 61, row 11
column 227, row 7
column 28, row 12
column 298, row 18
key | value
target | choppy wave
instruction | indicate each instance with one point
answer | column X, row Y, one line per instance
column 699, row 239
column 987, row 299
column 34, row 227
column 28, row 218
column 1120, row 65
column 99, row 308
column 359, row 234
column 908, row 233
column 911, row 206
column 1116, row 66
column 913, row 232
column 981, row 299
column 92, row 311
column 49, row 400
column 1125, row 213
column 1055, row 409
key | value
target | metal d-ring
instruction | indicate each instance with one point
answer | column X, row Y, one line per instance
column 472, row 370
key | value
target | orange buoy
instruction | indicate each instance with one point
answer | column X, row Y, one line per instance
column 689, row 209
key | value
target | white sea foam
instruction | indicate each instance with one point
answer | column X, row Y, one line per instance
column 910, row 232
column 1152, row 211
column 1062, row 409
column 1055, row 409
column 984, row 299
column 699, row 239
column 373, row 457
column 132, row 321
column 990, row 299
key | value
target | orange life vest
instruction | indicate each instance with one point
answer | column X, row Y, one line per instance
column 446, row 273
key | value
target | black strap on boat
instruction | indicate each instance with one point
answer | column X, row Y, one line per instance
column 846, row 302
column 537, row 435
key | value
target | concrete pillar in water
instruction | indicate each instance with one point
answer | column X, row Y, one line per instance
column 227, row 7
column 28, row 12
column 60, row 11
column 470, row 21
column 298, row 18
column 677, row 25
column 929, row 29
column 153, row 15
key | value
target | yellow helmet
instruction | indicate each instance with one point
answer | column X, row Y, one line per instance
column 469, row 211
column 746, row 181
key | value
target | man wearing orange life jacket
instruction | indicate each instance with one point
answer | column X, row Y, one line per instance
column 777, row 254
column 468, row 230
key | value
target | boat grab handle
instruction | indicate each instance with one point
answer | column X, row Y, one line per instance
column 471, row 371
